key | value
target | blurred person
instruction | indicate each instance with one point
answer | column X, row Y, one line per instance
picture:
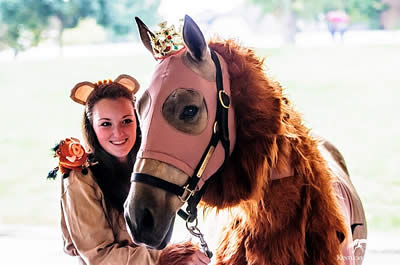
column 96, row 184
column 338, row 21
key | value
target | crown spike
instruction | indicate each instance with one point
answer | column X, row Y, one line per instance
column 167, row 40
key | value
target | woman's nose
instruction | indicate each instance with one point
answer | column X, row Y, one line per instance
column 118, row 131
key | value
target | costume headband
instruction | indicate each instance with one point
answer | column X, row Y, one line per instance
column 81, row 91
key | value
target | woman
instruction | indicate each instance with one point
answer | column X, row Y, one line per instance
column 92, row 198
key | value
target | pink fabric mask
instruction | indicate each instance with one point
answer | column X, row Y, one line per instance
column 162, row 141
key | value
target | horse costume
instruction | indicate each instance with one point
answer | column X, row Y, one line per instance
column 216, row 128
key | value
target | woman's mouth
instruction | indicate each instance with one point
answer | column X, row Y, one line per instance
column 121, row 142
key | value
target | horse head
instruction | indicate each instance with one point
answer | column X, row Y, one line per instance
column 188, row 130
column 212, row 118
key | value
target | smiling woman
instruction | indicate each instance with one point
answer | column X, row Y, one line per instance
column 114, row 124
column 94, row 192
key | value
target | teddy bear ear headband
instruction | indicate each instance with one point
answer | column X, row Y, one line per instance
column 81, row 91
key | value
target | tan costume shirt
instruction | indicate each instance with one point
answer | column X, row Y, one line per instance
column 91, row 231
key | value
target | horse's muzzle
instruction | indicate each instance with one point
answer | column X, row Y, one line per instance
column 140, row 222
column 147, row 226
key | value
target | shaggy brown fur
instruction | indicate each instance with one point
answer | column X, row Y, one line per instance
column 294, row 220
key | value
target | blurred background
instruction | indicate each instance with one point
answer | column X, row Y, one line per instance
column 338, row 61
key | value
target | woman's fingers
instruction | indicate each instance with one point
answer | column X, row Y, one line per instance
column 202, row 257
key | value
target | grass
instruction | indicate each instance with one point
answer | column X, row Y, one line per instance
column 347, row 94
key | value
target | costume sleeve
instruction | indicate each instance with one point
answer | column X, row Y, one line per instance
column 91, row 232
column 69, row 247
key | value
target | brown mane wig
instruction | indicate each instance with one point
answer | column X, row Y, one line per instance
column 287, row 220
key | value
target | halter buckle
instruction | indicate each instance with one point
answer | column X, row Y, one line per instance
column 186, row 194
column 224, row 99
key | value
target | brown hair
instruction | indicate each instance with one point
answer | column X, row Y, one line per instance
column 112, row 176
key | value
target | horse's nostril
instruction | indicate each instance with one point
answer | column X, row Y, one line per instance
column 147, row 220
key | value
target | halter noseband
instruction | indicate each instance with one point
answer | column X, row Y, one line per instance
column 188, row 193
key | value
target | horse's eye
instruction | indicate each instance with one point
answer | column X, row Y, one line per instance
column 188, row 113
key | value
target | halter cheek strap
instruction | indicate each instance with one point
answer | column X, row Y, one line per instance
column 189, row 192
column 220, row 133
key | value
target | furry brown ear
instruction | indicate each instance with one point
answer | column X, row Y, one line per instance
column 81, row 92
column 129, row 82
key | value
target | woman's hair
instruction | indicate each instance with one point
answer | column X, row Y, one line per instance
column 112, row 176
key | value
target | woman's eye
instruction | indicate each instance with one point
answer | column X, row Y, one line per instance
column 127, row 121
column 188, row 113
column 105, row 124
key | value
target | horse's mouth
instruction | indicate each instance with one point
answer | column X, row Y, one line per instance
column 166, row 239
column 152, row 239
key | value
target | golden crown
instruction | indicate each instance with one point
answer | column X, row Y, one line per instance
column 167, row 41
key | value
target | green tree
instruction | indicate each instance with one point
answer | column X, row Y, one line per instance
column 69, row 13
column 118, row 16
column 22, row 22
column 31, row 17
column 25, row 20
column 367, row 11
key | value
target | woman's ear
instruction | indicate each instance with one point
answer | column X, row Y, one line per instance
column 81, row 92
column 129, row 82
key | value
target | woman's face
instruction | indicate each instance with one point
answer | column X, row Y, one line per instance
column 114, row 123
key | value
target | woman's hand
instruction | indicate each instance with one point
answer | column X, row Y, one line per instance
column 183, row 254
column 198, row 258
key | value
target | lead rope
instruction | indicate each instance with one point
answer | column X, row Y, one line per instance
column 194, row 230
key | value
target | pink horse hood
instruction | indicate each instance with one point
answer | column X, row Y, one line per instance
column 162, row 141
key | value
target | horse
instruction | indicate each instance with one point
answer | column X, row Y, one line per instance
column 217, row 129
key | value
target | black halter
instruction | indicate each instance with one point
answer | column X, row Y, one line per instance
column 188, row 193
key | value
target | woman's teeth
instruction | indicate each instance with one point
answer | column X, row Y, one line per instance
column 119, row 142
